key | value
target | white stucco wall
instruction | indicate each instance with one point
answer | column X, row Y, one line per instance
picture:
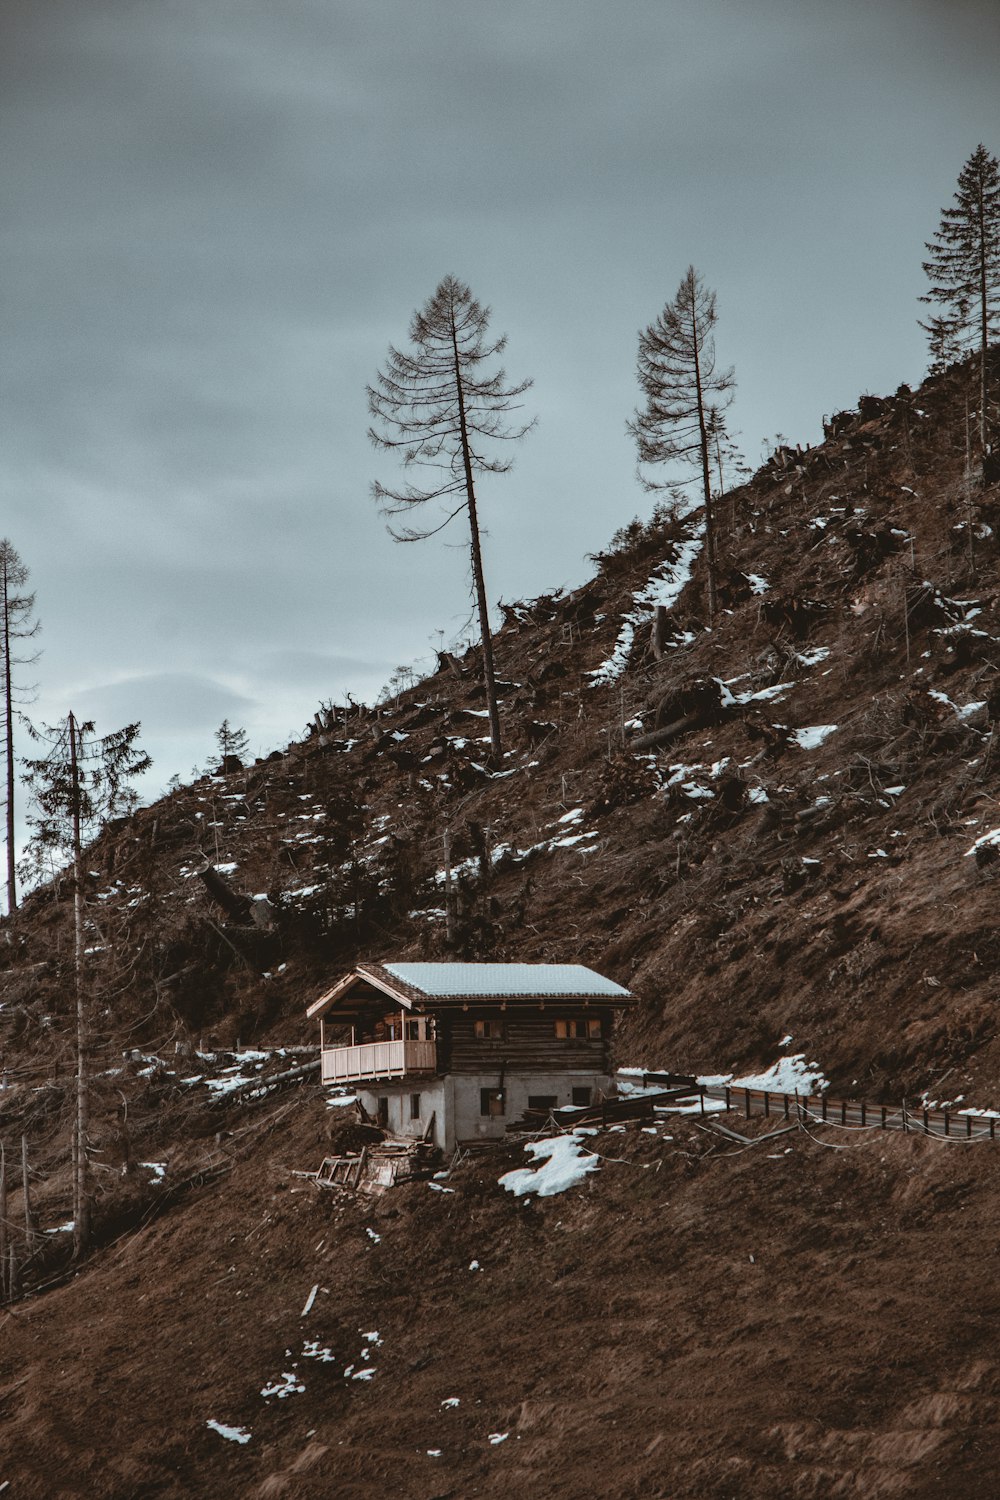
column 455, row 1103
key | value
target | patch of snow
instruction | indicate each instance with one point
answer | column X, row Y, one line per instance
column 789, row 1075
column 376, row 1239
column 813, row 735
column 664, row 587
column 158, row 1169
column 313, row 1350
column 449, row 1402
column 813, row 656
column 288, row 1385
column 231, row 1434
column 562, row 1164
column 984, row 841
column 498, row 1437
column 757, row 584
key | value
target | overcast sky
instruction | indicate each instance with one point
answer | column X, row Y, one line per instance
column 217, row 214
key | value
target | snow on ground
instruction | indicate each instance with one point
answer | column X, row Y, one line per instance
column 562, row 1164
column 984, row 841
column 664, row 588
column 288, row 1385
column 812, row 656
column 813, row 735
column 789, row 1075
column 232, row 1434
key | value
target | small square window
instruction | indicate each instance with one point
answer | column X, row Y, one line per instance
column 414, row 1106
column 542, row 1101
column 491, row 1102
column 581, row 1097
column 594, row 1030
column 488, row 1031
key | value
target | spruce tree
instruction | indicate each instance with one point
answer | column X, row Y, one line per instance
column 963, row 267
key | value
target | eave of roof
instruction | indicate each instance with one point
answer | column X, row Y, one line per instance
column 411, row 995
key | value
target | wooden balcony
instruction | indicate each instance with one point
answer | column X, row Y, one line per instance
column 378, row 1060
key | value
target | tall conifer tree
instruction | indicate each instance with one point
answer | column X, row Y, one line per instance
column 963, row 267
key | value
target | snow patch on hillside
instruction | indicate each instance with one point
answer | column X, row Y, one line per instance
column 664, row 587
column 562, row 1164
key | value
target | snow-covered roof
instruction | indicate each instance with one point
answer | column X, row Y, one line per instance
column 452, row 984
column 444, row 981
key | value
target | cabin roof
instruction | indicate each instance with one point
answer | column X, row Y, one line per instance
column 450, row 983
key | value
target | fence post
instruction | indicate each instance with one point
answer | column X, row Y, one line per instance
column 843, row 1111
column 947, row 1124
column 824, row 1107
column 906, row 1128
column 767, row 1106
column 883, row 1117
column 863, row 1120
column 927, row 1128
column 785, row 1099
column 968, row 1125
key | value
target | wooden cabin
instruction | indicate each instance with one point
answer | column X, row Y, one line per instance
column 454, row 1052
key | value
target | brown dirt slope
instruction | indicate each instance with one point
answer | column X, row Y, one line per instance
column 793, row 861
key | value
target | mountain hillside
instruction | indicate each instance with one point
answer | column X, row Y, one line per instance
column 780, row 829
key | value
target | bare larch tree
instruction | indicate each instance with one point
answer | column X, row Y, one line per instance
column 441, row 408
column 686, row 396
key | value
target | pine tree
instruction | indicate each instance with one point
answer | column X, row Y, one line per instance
column 79, row 784
column 231, row 741
column 686, row 396
column 16, row 624
column 439, row 408
column 963, row 266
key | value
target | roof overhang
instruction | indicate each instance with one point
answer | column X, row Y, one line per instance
column 343, row 996
column 340, row 993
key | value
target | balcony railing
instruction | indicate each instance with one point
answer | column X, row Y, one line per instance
column 378, row 1060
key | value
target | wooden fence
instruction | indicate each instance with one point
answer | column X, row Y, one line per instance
column 851, row 1114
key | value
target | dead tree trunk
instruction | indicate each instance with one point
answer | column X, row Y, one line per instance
column 30, row 1225
column 667, row 733
column 3, row 1225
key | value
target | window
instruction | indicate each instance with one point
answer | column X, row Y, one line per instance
column 488, row 1031
column 415, row 1106
column 590, row 1029
column 543, row 1101
column 382, row 1116
column 581, row 1097
column 413, row 1031
column 491, row 1102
